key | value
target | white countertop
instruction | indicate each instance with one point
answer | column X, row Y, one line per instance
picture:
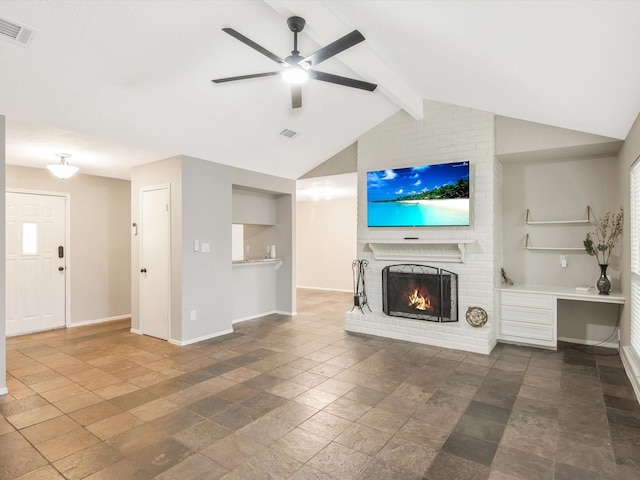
column 567, row 293
column 258, row 261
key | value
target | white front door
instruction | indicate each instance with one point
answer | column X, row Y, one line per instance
column 155, row 256
column 36, row 262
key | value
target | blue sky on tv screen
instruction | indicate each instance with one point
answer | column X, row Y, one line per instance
column 399, row 182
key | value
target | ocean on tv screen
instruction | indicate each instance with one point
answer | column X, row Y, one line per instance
column 429, row 213
column 422, row 196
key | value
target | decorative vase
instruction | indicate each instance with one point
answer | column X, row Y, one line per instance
column 603, row 284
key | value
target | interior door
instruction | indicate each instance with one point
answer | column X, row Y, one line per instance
column 35, row 262
column 155, row 273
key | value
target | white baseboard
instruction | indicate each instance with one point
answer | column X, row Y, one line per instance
column 325, row 289
column 253, row 317
column 136, row 331
column 181, row 343
column 99, row 320
column 260, row 315
column 582, row 341
column 632, row 366
column 3, row 390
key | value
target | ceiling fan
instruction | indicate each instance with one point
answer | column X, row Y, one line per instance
column 297, row 69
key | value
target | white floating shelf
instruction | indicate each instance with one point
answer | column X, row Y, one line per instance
column 528, row 246
column 436, row 250
column 584, row 221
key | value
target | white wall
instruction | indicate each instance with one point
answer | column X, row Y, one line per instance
column 447, row 133
column 3, row 311
column 326, row 234
column 99, row 253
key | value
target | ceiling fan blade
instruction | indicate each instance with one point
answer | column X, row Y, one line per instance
column 347, row 82
column 296, row 96
column 340, row 45
column 255, row 46
column 244, row 77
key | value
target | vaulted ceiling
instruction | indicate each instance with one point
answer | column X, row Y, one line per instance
column 117, row 84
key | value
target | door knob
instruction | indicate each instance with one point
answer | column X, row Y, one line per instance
column 143, row 270
column 61, row 268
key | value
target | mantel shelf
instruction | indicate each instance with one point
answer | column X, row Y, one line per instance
column 431, row 250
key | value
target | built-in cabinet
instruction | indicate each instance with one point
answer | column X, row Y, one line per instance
column 528, row 314
column 528, row 318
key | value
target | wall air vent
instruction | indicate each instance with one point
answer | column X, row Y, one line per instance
column 288, row 133
column 15, row 32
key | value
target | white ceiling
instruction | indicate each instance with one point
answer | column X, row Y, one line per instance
column 117, row 84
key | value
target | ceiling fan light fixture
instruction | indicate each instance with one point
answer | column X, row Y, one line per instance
column 295, row 75
column 62, row 170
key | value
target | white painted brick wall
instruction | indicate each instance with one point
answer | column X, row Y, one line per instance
column 447, row 133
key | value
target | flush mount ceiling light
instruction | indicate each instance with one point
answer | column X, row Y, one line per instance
column 63, row 169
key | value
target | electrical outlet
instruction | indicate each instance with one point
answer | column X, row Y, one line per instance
column 563, row 261
column 193, row 315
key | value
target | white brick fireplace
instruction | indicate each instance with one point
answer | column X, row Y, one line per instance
column 447, row 133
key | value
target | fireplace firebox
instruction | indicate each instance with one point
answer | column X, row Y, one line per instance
column 420, row 292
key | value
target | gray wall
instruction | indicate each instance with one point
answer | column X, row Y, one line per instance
column 628, row 155
column 99, row 250
column 257, row 238
column 253, row 207
column 528, row 141
column 201, row 208
column 206, row 277
column 286, row 249
column 345, row 161
column 3, row 312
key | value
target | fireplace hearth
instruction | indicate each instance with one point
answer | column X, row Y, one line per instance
column 420, row 292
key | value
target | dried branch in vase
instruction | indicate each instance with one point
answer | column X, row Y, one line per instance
column 606, row 234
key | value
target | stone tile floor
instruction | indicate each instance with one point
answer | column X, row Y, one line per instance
column 298, row 398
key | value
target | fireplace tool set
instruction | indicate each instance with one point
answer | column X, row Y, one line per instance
column 359, row 290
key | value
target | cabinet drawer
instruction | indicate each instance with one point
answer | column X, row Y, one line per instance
column 526, row 299
column 526, row 315
column 526, row 332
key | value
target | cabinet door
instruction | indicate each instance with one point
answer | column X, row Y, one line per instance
column 527, row 333
column 520, row 299
column 528, row 318
column 526, row 315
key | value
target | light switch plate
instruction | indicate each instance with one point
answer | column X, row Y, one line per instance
column 206, row 248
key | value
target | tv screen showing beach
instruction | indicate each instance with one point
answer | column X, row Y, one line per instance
column 423, row 196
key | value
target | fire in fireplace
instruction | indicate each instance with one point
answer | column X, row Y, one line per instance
column 420, row 292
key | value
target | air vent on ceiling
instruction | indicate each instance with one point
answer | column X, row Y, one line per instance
column 15, row 32
column 288, row 133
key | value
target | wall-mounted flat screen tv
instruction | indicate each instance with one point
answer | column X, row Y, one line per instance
column 423, row 196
